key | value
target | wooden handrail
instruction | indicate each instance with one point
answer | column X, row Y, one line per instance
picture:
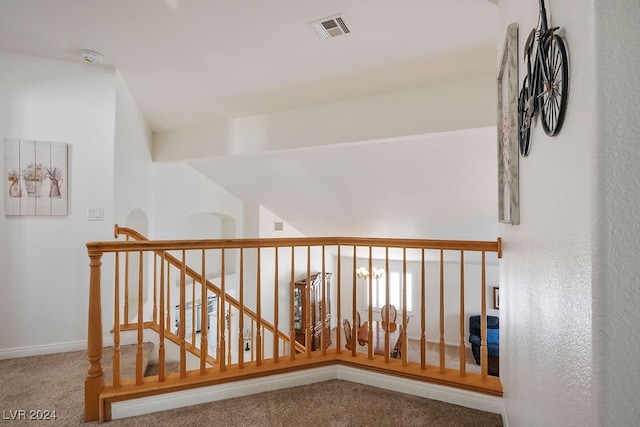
column 168, row 245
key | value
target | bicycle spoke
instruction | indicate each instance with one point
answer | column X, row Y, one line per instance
column 548, row 105
column 555, row 110
column 552, row 56
column 557, row 69
column 560, row 94
column 555, row 73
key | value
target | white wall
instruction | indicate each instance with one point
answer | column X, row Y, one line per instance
column 44, row 267
column 180, row 191
column 545, row 278
column 615, row 226
column 445, row 106
column 465, row 104
column 133, row 179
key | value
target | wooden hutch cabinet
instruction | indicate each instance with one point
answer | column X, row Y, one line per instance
column 314, row 312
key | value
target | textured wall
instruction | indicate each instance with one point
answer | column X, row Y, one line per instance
column 616, row 274
column 546, row 269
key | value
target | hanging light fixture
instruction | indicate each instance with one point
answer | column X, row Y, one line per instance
column 377, row 273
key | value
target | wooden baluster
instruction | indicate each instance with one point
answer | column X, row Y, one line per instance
column 183, row 320
column 154, row 310
column 463, row 348
column 222, row 324
column 162, row 326
column 204, row 321
column 116, row 324
column 253, row 342
column 240, row 331
column 484, row 357
column 194, row 309
column 94, row 382
column 292, row 287
column 259, row 341
column 354, row 307
column 168, row 323
column 442, row 344
column 307, row 295
column 140, row 350
column 126, row 288
column 241, row 308
column 276, row 313
column 263, row 344
column 423, row 314
column 323, row 308
column 403, row 334
column 387, row 304
column 339, row 303
column 241, row 338
column 370, row 280
column 229, row 314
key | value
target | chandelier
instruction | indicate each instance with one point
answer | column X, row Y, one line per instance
column 376, row 273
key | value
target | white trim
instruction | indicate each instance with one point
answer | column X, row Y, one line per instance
column 38, row 350
column 179, row 399
column 147, row 405
column 41, row 349
column 452, row 395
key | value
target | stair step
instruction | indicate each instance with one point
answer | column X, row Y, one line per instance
column 127, row 360
column 152, row 369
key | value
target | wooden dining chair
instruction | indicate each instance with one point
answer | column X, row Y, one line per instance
column 396, row 353
column 347, row 333
column 358, row 324
column 393, row 314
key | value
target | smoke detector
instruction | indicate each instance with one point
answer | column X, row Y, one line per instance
column 331, row 26
column 91, row 56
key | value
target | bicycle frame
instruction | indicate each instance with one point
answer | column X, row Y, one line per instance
column 541, row 88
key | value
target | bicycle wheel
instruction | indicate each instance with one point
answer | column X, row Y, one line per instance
column 552, row 99
column 524, row 119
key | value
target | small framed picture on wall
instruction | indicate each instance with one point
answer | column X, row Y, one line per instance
column 496, row 297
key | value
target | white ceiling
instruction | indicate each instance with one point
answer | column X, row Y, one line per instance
column 186, row 61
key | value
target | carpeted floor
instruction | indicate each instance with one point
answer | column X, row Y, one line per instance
column 55, row 383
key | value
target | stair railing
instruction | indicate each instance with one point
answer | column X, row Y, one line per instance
column 243, row 336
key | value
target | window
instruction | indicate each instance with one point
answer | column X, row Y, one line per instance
column 395, row 291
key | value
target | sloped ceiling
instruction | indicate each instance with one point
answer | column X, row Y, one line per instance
column 440, row 186
column 190, row 61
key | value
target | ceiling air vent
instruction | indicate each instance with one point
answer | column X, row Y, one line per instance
column 332, row 26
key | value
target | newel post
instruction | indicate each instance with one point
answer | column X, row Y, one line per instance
column 94, row 382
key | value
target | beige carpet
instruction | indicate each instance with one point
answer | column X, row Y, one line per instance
column 55, row 382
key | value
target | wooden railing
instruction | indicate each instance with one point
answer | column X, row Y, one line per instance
column 216, row 307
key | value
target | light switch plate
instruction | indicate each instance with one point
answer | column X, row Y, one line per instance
column 95, row 214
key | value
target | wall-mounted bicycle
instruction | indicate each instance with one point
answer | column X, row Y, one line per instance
column 545, row 87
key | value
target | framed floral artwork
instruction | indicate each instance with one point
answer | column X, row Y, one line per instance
column 36, row 177
column 508, row 150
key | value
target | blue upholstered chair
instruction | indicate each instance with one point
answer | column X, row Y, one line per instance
column 493, row 336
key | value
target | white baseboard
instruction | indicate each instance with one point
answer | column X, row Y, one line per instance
column 41, row 349
column 453, row 395
column 179, row 399
column 147, row 405
column 37, row 350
